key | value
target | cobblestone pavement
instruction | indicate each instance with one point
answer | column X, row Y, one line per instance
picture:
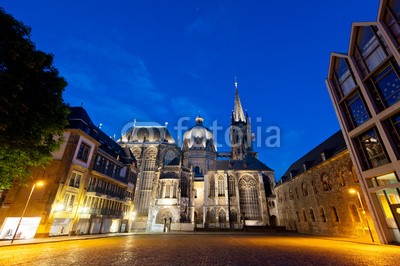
column 201, row 249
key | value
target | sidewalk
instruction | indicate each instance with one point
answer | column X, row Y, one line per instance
column 5, row 243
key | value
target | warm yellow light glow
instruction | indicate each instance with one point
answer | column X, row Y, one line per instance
column 133, row 215
column 352, row 191
column 60, row 207
column 39, row 183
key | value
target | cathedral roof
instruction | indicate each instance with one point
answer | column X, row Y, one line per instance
column 249, row 163
column 334, row 145
column 199, row 137
column 238, row 114
column 147, row 134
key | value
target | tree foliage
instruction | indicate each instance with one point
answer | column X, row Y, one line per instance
column 32, row 111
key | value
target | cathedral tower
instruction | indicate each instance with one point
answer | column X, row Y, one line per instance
column 240, row 132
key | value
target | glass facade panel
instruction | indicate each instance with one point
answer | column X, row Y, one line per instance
column 369, row 50
column 356, row 110
column 343, row 78
column 371, row 150
column 392, row 18
column 389, row 201
column 393, row 125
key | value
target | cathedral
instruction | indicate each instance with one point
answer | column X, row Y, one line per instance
column 195, row 186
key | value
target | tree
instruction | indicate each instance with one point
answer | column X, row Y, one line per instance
column 32, row 111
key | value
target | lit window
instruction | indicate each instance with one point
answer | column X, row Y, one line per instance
column 75, row 180
column 371, row 150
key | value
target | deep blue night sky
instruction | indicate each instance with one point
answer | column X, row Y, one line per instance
column 162, row 60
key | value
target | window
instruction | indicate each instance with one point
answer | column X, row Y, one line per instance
column 392, row 18
column 232, row 190
column 334, row 215
column 382, row 180
column 212, row 187
column 355, row 217
column 322, row 215
column 68, row 202
column 356, row 111
column 342, row 78
column 312, row 216
column 298, row 216
column 221, row 187
column 371, row 150
column 370, row 49
column 291, row 196
column 83, row 152
column 385, row 87
column 393, row 125
column 249, row 202
column 75, row 180
column 304, row 216
column 184, row 187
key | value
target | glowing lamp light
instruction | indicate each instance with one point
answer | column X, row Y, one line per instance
column 352, row 191
column 133, row 215
column 39, row 183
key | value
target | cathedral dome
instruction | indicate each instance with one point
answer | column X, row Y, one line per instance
column 199, row 137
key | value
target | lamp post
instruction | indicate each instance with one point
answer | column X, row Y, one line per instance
column 39, row 184
column 353, row 191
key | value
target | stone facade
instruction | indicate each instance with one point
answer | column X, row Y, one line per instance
column 318, row 200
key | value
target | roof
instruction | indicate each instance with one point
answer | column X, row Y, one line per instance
column 79, row 119
column 147, row 134
column 249, row 163
column 332, row 146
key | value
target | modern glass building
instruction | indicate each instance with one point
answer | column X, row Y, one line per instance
column 364, row 85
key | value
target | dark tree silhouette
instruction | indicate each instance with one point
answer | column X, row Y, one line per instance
column 32, row 111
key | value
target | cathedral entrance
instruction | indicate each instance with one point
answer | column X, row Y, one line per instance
column 164, row 217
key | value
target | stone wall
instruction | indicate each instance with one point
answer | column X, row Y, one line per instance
column 318, row 201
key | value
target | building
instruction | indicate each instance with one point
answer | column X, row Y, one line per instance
column 88, row 187
column 364, row 85
column 192, row 187
column 313, row 196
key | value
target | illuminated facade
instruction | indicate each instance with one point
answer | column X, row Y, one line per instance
column 364, row 85
column 313, row 196
column 188, row 188
column 88, row 187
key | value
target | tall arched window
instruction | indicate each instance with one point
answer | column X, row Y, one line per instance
column 355, row 217
column 304, row 216
column 232, row 189
column 184, row 187
column 169, row 157
column 314, row 186
column 304, row 189
column 249, row 203
column 326, row 184
column 334, row 215
column 211, row 217
column 322, row 214
column 146, row 183
column 312, row 216
column 233, row 217
column 212, row 186
column 221, row 186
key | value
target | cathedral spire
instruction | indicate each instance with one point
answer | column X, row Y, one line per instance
column 238, row 114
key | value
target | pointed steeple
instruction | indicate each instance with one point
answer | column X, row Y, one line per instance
column 238, row 114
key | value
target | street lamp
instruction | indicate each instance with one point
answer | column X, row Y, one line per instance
column 353, row 191
column 39, row 184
